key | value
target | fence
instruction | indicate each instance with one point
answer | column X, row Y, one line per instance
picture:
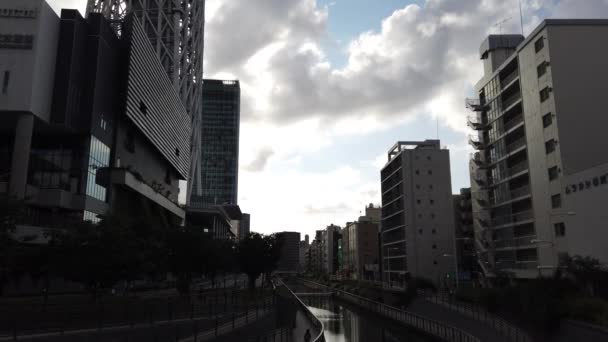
column 187, row 316
column 432, row 327
column 315, row 321
column 510, row 331
column 280, row 335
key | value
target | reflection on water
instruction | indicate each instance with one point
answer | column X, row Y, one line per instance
column 346, row 323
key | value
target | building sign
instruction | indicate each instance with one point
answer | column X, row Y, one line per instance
column 16, row 41
column 587, row 184
column 18, row 13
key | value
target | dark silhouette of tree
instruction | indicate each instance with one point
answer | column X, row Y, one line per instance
column 587, row 272
column 258, row 254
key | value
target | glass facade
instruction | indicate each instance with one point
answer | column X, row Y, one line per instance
column 91, row 216
column 220, row 143
column 99, row 157
column 50, row 168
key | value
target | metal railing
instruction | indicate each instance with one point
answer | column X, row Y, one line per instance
column 505, row 82
column 313, row 319
column 182, row 317
column 513, row 122
column 517, row 217
column 510, row 101
column 516, row 144
column 476, row 312
column 515, row 242
column 430, row 326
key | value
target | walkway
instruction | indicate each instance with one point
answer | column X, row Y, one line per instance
column 423, row 307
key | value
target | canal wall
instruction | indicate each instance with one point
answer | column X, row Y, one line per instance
column 432, row 327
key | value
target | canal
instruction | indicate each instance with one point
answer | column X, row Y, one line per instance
column 345, row 322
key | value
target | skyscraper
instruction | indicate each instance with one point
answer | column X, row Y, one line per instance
column 176, row 30
column 219, row 161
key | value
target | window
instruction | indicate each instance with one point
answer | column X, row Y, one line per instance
column 432, row 201
column 547, row 120
column 556, row 201
column 560, row 229
column 419, row 215
column 539, row 44
column 430, row 186
column 428, row 157
column 550, row 146
column 418, row 186
column 434, row 232
column 143, row 108
column 417, row 172
column 430, row 172
column 544, row 94
column 541, row 69
column 434, row 246
column 177, row 152
column 7, row 77
column 553, row 173
column 420, row 231
column 432, row 216
column 434, row 262
column 418, row 201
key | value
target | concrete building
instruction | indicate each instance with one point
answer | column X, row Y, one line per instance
column 360, row 250
column 244, row 226
column 80, row 137
column 467, row 269
column 416, row 195
column 219, row 162
column 304, row 251
column 315, row 253
column 213, row 220
column 374, row 214
column 290, row 252
column 331, row 235
column 539, row 178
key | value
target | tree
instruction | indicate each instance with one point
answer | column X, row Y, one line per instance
column 257, row 254
column 587, row 271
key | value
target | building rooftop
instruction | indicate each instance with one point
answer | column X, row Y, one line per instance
column 412, row 145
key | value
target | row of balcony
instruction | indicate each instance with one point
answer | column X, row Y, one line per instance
column 485, row 181
column 512, row 195
column 525, row 241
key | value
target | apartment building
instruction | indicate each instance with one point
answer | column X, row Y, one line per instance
column 539, row 176
column 464, row 237
column 417, row 235
column 360, row 249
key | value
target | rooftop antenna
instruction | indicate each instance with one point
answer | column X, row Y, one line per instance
column 500, row 23
column 521, row 18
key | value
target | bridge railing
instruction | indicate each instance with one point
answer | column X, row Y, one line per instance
column 315, row 321
column 438, row 329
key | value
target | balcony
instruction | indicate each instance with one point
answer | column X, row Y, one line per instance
column 513, row 146
column 512, row 219
column 477, row 142
column 518, row 120
column 509, row 79
column 477, row 123
column 519, row 242
column 511, row 100
column 513, row 195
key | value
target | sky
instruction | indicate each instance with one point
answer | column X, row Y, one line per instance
column 328, row 86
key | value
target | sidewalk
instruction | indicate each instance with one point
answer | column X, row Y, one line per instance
column 440, row 313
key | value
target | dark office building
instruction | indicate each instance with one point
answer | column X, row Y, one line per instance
column 290, row 251
column 219, row 144
column 465, row 242
column 100, row 121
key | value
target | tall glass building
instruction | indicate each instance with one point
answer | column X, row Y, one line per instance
column 219, row 144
